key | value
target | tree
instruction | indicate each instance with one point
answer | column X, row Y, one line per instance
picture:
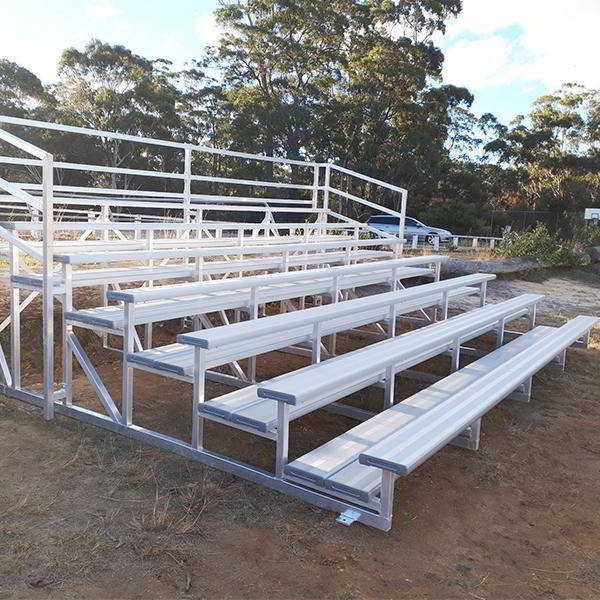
column 555, row 150
column 21, row 92
column 110, row 88
column 346, row 80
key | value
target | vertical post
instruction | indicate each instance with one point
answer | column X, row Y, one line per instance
column 148, row 328
column 445, row 300
column 253, row 315
column 283, row 437
column 500, row 333
column 532, row 315
column 482, row 293
column 455, row 241
column 402, row 219
column 198, row 398
column 389, row 387
column 316, row 343
column 455, row 365
column 48, row 283
column 187, row 184
column 323, row 217
column 67, row 330
column 105, row 212
column 315, row 193
column 128, row 334
column 15, row 320
column 387, row 497
column 392, row 320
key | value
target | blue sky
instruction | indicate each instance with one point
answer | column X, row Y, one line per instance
column 507, row 53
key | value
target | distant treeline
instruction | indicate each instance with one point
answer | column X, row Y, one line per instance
column 351, row 81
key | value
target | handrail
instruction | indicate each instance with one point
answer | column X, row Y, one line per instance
column 23, row 145
column 216, row 225
column 16, row 191
column 384, row 184
column 365, row 202
column 19, row 243
column 161, row 174
column 147, row 140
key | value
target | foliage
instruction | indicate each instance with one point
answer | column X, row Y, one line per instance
column 357, row 82
column 540, row 244
column 555, row 152
column 588, row 235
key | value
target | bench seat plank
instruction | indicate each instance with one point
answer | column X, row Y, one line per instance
column 92, row 277
column 112, row 317
column 243, row 407
column 335, row 465
column 179, row 358
column 402, row 453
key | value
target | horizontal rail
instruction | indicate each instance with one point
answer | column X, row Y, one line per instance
column 159, row 174
column 378, row 207
column 124, row 226
column 384, row 184
column 149, row 141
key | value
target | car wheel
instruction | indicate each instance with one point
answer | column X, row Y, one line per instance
column 430, row 238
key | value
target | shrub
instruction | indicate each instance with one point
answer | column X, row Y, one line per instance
column 589, row 235
column 540, row 244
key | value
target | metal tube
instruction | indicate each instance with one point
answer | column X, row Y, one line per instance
column 48, row 284
column 15, row 320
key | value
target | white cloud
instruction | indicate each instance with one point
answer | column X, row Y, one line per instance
column 207, row 30
column 100, row 11
column 557, row 42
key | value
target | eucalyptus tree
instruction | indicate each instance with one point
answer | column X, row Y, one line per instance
column 555, row 150
column 111, row 88
column 348, row 80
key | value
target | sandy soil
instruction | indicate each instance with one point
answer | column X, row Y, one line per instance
column 84, row 513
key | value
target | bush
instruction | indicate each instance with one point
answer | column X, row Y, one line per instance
column 539, row 243
column 589, row 235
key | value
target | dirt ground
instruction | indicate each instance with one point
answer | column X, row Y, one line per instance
column 85, row 513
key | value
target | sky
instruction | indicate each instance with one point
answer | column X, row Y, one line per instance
column 506, row 52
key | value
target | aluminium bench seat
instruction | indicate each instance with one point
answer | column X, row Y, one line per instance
column 249, row 408
column 402, row 437
column 113, row 317
column 178, row 358
column 75, row 246
column 117, row 275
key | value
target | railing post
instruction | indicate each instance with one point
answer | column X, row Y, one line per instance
column 402, row 219
column 187, row 184
column 322, row 216
column 15, row 321
column 48, row 283
column 315, row 194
